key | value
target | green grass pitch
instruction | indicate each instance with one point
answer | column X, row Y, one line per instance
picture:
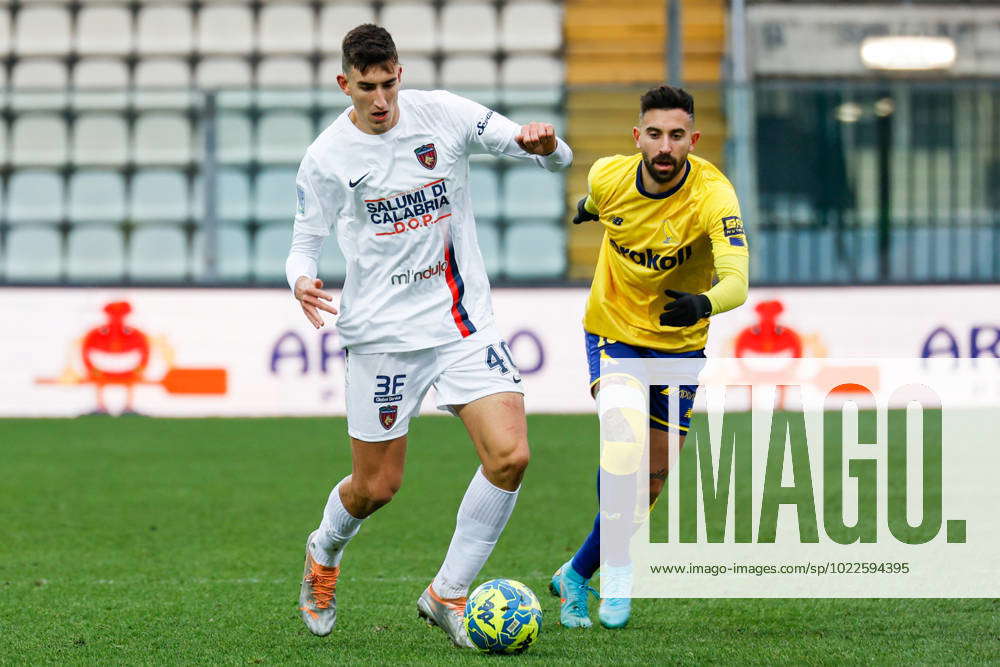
column 141, row 540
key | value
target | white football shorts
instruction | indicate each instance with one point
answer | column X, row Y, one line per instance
column 385, row 389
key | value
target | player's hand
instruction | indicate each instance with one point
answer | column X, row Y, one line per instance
column 537, row 138
column 309, row 292
column 582, row 214
column 685, row 309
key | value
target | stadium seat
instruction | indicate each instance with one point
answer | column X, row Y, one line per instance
column 469, row 27
column 164, row 30
column 225, row 28
column 162, row 138
column 525, row 115
column 286, row 28
column 336, row 19
column 96, row 196
column 158, row 253
column 35, row 196
column 489, row 243
column 100, row 83
column 4, row 33
column 3, row 142
column 274, row 194
column 413, row 26
column 42, row 30
column 38, row 139
column 231, row 76
column 485, row 188
column 283, row 137
column 103, row 30
column 95, row 254
column 535, row 251
column 159, row 195
column 38, row 83
column 332, row 264
column 232, row 195
column 33, row 254
column 474, row 77
column 284, row 82
column 531, row 26
column 100, row 139
column 162, row 83
column 419, row 72
column 532, row 80
column 532, row 193
column 232, row 137
column 232, row 260
column 270, row 251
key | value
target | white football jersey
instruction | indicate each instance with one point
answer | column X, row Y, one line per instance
column 401, row 208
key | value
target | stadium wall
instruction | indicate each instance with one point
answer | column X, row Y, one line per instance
column 174, row 352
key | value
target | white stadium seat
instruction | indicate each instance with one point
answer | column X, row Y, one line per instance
column 159, row 195
column 158, row 253
column 162, row 83
column 489, row 243
column 419, row 72
column 38, row 139
column 42, row 30
column 474, row 77
column 535, row 251
column 469, row 26
column 232, row 137
column 103, row 30
column 100, row 139
column 4, row 33
column 286, row 28
column 164, row 30
column 39, row 83
column 284, row 82
column 232, row 195
column 96, row 196
column 532, row 80
column 95, row 254
column 162, row 138
column 33, row 254
column 35, row 196
column 485, row 188
column 283, row 137
column 232, row 258
column 413, row 26
column 225, row 29
column 529, row 114
column 270, row 251
column 531, row 26
column 274, row 196
column 336, row 19
column 231, row 76
column 532, row 193
column 100, row 83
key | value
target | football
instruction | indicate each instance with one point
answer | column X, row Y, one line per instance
column 503, row 616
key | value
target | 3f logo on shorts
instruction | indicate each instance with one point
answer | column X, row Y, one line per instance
column 389, row 388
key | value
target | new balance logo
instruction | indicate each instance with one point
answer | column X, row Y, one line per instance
column 351, row 184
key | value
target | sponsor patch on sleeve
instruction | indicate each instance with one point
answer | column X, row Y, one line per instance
column 301, row 196
column 737, row 240
column 732, row 226
column 481, row 125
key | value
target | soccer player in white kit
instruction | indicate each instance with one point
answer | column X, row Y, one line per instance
column 390, row 176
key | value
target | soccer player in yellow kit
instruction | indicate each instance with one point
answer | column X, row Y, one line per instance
column 671, row 221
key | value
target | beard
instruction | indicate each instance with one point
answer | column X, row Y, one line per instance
column 657, row 175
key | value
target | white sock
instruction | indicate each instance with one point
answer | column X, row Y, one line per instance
column 481, row 518
column 335, row 531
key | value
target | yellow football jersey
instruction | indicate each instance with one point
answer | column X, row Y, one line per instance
column 653, row 242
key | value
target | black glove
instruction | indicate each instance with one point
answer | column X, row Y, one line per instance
column 582, row 214
column 685, row 310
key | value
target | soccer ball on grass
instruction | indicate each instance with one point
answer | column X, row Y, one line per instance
column 503, row 616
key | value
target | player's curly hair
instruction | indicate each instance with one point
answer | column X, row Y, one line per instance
column 667, row 97
column 367, row 45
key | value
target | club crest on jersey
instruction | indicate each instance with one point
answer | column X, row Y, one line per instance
column 387, row 415
column 427, row 155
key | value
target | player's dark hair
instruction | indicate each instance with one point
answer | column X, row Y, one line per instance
column 667, row 97
column 367, row 45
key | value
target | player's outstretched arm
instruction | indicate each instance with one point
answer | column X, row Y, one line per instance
column 582, row 214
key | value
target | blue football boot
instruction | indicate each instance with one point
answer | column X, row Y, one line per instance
column 616, row 600
column 574, row 591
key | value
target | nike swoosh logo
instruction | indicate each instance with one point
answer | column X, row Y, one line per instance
column 353, row 183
